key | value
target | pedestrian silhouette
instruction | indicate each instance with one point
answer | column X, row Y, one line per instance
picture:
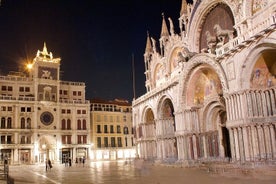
column 50, row 164
column 70, row 162
column 46, row 164
column 83, row 161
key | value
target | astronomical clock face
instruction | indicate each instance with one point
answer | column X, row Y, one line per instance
column 47, row 118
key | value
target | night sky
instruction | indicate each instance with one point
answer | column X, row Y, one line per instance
column 94, row 38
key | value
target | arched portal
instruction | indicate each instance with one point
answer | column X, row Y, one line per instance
column 167, row 114
column 47, row 148
column 216, row 132
column 166, row 131
column 205, row 96
column 149, row 133
column 203, row 86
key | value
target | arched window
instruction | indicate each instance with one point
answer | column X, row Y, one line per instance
column 29, row 123
column 22, row 123
column 28, row 139
column 125, row 130
column 84, row 124
column 68, row 124
column 9, row 125
column 63, row 122
column 118, row 129
column 79, row 124
column 3, row 122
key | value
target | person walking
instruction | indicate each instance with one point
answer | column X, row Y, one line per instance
column 50, row 164
column 46, row 164
column 76, row 161
column 70, row 162
column 83, row 161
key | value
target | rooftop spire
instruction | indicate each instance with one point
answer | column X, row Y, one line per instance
column 46, row 56
column 44, row 52
column 164, row 30
column 183, row 8
column 148, row 46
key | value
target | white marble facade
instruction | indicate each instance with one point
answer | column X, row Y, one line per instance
column 211, row 88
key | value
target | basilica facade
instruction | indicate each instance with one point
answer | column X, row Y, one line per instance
column 210, row 88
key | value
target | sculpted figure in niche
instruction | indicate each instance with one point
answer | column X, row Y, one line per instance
column 222, row 34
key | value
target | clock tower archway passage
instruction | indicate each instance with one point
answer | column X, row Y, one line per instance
column 47, row 148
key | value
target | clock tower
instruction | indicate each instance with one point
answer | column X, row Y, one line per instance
column 45, row 72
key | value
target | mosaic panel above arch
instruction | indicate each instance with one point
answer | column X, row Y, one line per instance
column 149, row 117
column 203, row 84
column 264, row 72
column 167, row 110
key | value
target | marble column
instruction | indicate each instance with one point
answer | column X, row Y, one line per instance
column 273, row 103
column 194, row 138
column 239, row 107
column 264, row 104
column 185, row 147
column 254, row 104
column 228, row 110
column 179, row 147
column 237, row 149
column 267, row 141
column 249, row 105
column 273, row 141
column 261, row 142
column 232, row 144
column 250, row 144
column 255, row 141
column 241, row 144
column 268, row 102
column 246, row 143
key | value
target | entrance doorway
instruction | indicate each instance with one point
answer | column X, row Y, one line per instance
column 226, row 142
column 65, row 155
column 47, row 148
column 24, row 156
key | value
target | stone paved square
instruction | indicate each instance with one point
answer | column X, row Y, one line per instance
column 127, row 172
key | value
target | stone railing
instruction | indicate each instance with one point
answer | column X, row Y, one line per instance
column 13, row 78
column 72, row 83
column 261, row 24
column 74, row 101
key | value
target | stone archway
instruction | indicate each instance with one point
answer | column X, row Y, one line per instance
column 216, row 133
column 149, row 133
column 167, row 142
column 47, row 148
